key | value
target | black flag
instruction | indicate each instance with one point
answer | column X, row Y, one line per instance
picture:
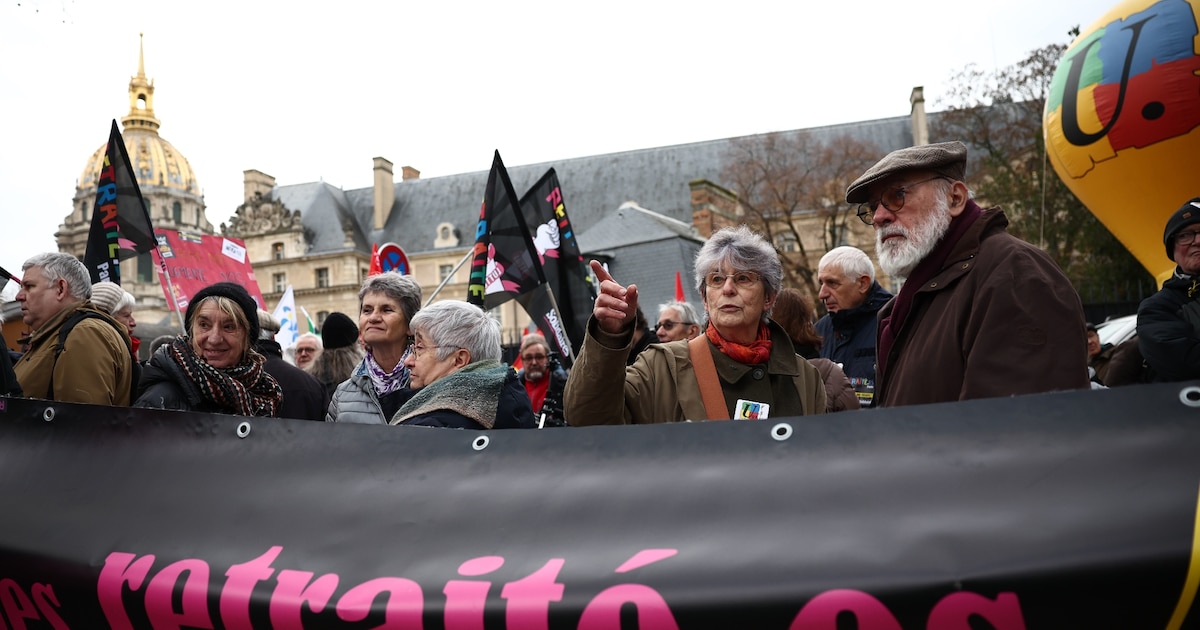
column 506, row 265
column 566, row 273
column 120, row 219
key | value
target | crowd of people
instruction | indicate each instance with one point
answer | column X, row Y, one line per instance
column 979, row 314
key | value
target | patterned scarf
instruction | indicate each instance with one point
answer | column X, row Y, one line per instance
column 753, row 354
column 387, row 382
column 245, row 388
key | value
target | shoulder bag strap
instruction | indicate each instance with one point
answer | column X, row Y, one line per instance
column 706, row 377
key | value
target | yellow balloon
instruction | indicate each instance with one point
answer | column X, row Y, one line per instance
column 1122, row 121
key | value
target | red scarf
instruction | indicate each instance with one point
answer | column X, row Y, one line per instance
column 753, row 354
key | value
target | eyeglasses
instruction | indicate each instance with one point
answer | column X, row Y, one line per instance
column 892, row 199
column 418, row 350
column 306, row 350
column 742, row 279
column 1186, row 238
column 530, row 358
column 669, row 325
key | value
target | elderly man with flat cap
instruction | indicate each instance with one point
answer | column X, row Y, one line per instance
column 1168, row 322
column 981, row 313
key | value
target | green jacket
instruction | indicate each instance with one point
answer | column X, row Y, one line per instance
column 661, row 385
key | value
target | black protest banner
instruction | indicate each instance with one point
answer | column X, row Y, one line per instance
column 1071, row 510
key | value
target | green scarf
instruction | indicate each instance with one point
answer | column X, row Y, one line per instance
column 473, row 391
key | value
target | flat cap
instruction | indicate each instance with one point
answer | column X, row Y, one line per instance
column 945, row 158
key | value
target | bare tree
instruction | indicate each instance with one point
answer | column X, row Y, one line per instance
column 792, row 187
column 1000, row 115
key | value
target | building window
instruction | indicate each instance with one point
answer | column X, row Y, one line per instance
column 323, row 278
column 279, row 280
column 786, row 243
column 444, row 272
column 276, row 251
column 321, row 315
column 362, row 274
column 177, row 213
column 145, row 268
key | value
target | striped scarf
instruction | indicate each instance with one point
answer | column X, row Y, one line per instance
column 244, row 389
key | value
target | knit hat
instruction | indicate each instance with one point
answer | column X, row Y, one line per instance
column 1183, row 217
column 106, row 295
column 235, row 292
column 945, row 158
column 338, row 331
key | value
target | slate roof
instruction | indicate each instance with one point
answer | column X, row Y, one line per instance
column 594, row 187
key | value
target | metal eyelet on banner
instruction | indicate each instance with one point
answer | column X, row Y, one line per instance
column 1190, row 396
column 243, row 429
column 48, row 414
column 781, row 431
column 481, row 442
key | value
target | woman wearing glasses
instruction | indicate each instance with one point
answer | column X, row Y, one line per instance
column 456, row 373
column 676, row 320
column 743, row 360
column 387, row 302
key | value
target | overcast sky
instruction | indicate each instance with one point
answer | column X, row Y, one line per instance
column 306, row 91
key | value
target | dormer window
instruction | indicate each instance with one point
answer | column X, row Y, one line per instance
column 446, row 236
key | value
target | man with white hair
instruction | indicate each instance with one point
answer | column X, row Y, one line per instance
column 677, row 320
column 77, row 353
column 307, row 347
column 852, row 299
column 981, row 313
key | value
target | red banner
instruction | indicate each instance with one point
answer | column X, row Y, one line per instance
column 195, row 261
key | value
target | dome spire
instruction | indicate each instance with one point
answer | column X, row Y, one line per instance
column 141, row 97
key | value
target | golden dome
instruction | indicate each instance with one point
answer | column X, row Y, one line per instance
column 156, row 164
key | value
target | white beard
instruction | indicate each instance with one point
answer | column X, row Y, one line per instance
column 898, row 257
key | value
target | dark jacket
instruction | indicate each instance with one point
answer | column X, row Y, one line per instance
column 8, row 378
column 165, row 385
column 1168, row 327
column 849, row 335
column 483, row 395
column 303, row 395
column 999, row 319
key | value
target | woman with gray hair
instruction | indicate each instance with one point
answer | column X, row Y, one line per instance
column 387, row 302
column 456, row 371
column 742, row 366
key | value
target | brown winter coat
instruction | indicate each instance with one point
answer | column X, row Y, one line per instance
column 999, row 319
column 839, row 393
column 95, row 367
column 661, row 385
